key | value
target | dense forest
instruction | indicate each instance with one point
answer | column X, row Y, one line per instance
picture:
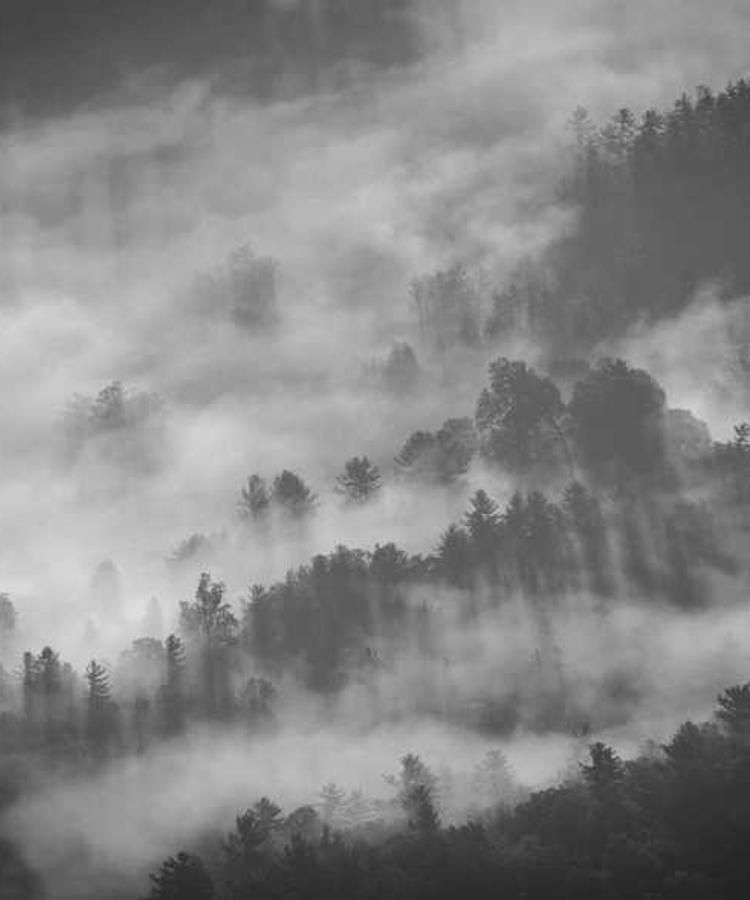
column 519, row 536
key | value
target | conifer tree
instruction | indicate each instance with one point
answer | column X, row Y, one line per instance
column 360, row 479
column 99, row 708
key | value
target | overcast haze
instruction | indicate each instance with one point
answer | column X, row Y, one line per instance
column 144, row 143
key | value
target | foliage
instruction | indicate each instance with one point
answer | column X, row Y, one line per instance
column 517, row 418
column 442, row 456
column 292, row 495
column 618, row 829
column 360, row 479
column 255, row 499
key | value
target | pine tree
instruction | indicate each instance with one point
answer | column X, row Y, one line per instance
column 455, row 556
column 734, row 710
column 605, row 769
column 292, row 495
column 100, row 711
column 360, row 480
column 183, row 877
column 332, row 799
column 255, row 499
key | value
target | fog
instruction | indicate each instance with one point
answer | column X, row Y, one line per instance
column 117, row 218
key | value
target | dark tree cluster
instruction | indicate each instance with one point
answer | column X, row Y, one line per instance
column 662, row 210
column 440, row 456
column 617, row 829
column 287, row 494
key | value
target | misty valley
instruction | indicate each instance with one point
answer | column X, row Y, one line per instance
column 375, row 471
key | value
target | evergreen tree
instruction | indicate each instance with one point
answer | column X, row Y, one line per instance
column 360, row 480
column 332, row 798
column 181, row 877
column 292, row 495
column 99, row 708
column 734, row 710
column 455, row 556
column 483, row 524
column 255, row 499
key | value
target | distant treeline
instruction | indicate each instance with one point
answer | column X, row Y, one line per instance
column 662, row 204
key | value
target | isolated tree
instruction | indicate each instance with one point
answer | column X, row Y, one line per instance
column 99, row 708
column 123, row 425
column 360, row 480
column 292, row 495
column 181, row 877
column 255, row 499
column 332, row 798
column 416, row 794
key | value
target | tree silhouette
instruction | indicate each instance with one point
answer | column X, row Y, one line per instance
column 181, row 877
column 734, row 710
column 255, row 499
column 100, row 710
column 292, row 495
column 360, row 480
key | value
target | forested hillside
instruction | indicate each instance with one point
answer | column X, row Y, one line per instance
column 366, row 534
